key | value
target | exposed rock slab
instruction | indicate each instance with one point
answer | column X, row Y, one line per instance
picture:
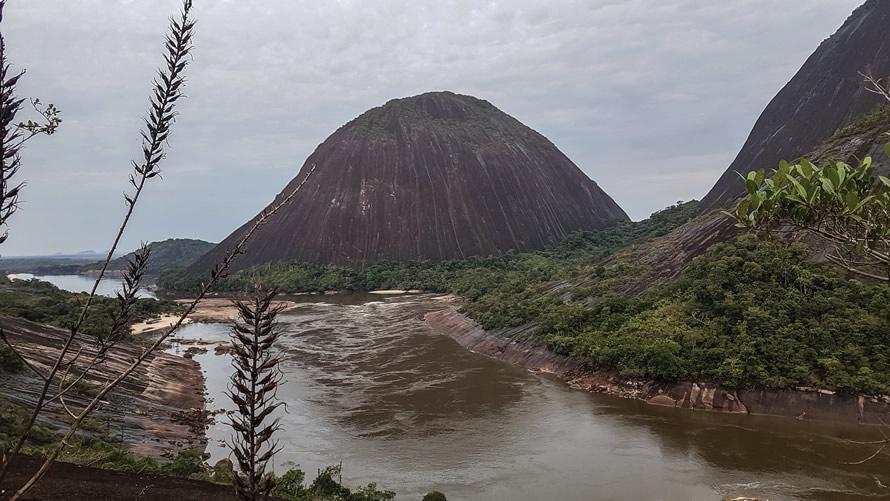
column 662, row 259
column 148, row 410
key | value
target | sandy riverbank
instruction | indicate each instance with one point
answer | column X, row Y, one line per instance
column 214, row 310
column 218, row 310
column 165, row 321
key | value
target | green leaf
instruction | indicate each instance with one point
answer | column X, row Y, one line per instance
column 887, row 149
column 799, row 187
column 794, row 198
column 885, row 180
column 756, row 200
column 830, row 173
column 852, row 200
column 827, row 186
column 866, row 163
column 742, row 210
column 863, row 202
column 785, row 168
column 759, row 176
column 807, row 168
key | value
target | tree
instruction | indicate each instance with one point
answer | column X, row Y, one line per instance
column 845, row 205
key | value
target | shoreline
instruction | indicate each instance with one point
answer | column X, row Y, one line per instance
column 153, row 325
column 517, row 347
column 222, row 310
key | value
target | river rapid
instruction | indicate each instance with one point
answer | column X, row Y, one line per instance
column 368, row 384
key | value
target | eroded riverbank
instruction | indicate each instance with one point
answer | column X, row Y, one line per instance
column 516, row 347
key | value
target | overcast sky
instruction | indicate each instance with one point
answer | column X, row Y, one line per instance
column 651, row 98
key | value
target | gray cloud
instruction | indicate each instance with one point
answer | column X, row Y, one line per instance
column 651, row 98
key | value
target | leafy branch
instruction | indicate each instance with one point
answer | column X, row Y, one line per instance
column 847, row 206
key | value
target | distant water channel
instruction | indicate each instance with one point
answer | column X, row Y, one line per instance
column 368, row 384
column 81, row 283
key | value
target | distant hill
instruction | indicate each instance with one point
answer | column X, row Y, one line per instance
column 45, row 265
column 165, row 255
column 432, row 177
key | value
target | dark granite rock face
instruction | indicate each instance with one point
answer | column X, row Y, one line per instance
column 825, row 94
column 430, row 177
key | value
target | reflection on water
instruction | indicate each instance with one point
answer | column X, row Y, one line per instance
column 80, row 283
column 370, row 385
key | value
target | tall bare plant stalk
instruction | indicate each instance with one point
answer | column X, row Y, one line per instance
column 253, row 387
column 13, row 136
column 9, row 137
column 167, row 90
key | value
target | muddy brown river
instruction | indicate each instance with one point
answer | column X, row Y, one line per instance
column 369, row 385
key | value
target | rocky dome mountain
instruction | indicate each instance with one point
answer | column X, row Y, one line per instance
column 431, row 177
column 826, row 94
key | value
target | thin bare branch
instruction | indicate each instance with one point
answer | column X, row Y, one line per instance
column 168, row 89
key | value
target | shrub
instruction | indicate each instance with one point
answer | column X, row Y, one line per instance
column 9, row 360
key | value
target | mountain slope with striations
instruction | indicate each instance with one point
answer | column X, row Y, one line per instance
column 825, row 94
column 431, row 177
column 823, row 113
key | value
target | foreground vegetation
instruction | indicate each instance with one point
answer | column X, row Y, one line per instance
column 45, row 303
column 105, row 451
